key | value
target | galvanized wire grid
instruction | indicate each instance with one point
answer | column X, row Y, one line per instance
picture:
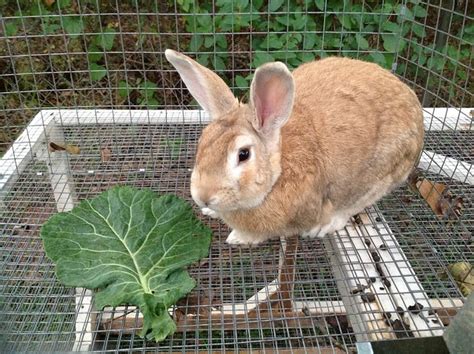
column 38, row 314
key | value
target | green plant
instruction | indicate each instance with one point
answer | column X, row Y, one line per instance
column 298, row 32
column 146, row 92
column 174, row 146
column 101, row 43
column 49, row 44
column 45, row 15
column 451, row 62
column 133, row 247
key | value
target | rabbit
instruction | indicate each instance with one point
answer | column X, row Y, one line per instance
column 308, row 151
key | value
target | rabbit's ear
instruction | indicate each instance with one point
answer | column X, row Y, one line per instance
column 207, row 88
column 271, row 95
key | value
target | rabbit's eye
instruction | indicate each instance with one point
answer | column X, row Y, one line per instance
column 244, row 154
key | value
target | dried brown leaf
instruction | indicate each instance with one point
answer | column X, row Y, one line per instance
column 440, row 200
column 105, row 154
column 413, row 179
column 431, row 192
column 53, row 147
column 71, row 149
column 451, row 207
column 463, row 274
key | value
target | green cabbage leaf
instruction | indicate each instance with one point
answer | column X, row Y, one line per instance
column 133, row 247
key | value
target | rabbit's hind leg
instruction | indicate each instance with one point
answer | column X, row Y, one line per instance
column 337, row 222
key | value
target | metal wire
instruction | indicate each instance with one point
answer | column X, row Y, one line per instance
column 44, row 67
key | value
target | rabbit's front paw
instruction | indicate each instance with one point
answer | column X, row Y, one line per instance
column 240, row 238
column 209, row 212
column 236, row 238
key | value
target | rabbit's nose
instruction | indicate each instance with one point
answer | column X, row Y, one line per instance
column 204, row 198
column 207, row 199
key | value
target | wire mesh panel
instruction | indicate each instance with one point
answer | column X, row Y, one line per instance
column 126, row 121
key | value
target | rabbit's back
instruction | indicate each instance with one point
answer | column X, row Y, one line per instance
column 367, row 123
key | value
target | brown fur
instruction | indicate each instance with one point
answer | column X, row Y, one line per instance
column 353, row 124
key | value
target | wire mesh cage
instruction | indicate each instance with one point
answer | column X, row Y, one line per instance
column 88, row 101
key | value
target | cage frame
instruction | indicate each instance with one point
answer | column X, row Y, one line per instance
column 276, row 297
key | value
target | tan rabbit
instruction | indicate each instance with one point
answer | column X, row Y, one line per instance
column 310, row 149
